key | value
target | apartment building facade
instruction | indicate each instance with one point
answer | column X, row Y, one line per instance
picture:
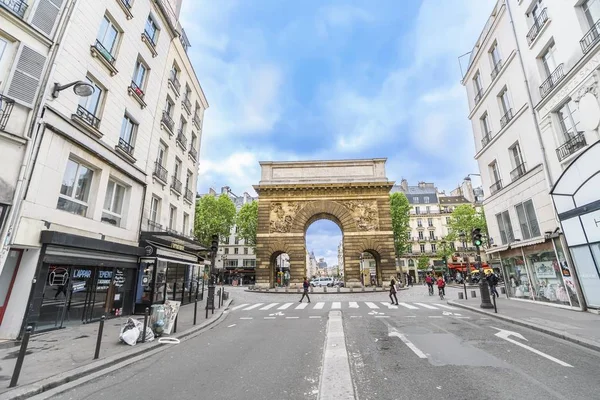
column 514, row 78
column 79, row 219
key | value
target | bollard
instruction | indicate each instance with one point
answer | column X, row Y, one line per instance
column 338, row 289
column 175, row 324
column 195, row 309
column 99, row 339
column 197, row 288
column 503, row 290
column 494, row 300
column 174, row 291
column 460, row 296
column 324, row 289
column 146, row 313
column 182, row 292
column 473, row 294
column 20, row 357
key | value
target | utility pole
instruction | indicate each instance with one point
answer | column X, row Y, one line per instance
column 484, row 289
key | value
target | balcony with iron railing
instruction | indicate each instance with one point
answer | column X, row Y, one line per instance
column 496, row 186
column 189, row 195
column 125, row 146
column 537, row 26
column 187, row 104
column 571, row 146
column 167, row 121
column 6, row 107
column 126, row 7
column 104, row 56
column 176, row 184
column 196, row 121
column 160, row 172
column 149, row 39
column 556, row 76
column 591, row 38
column 486, row 139
column 496, row 70
column 174, row 82
column 88, row 117
column 154, row 226
column 17, row 7
column 193, row 153
column 137, row 93
column 506, row 118
column 104, row 52
column 518, row 172
column 181, row 139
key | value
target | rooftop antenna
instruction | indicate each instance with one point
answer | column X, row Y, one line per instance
column 462, row 74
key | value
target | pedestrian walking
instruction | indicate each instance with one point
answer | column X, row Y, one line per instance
column 410, row 282
column 393, row 291
column 492, row 280
column 305, row 286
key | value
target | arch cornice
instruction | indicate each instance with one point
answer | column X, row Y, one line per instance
column 323, row 209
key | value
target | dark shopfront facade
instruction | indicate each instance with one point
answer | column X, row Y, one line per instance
column 170, row 269
column 79, row 279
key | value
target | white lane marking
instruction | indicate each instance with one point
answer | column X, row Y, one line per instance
column 389, row 305
column 356, row 316
column 446, row 306
column 318, row 306
column 231, row 326
column 285, row 306
column 301, row 306
column 269, row 306
column 427, row 306
column 269, row 317
column 246, row 318
column 382, row 316
column 353, row 304
column 315, row 316
column 464, row 317
column 240, row 306
column 371, row 305
column 504, row 334
column 253, row 306
column 410, row 307
column 336, row 304
column 292, row 317
column 408, row 343
column 436, row 316
column 410, row 316
column 336, row 380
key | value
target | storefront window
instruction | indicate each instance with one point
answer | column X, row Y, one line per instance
column 546, row 277
column 587, row 270
column 565, row 272
column 518, row 284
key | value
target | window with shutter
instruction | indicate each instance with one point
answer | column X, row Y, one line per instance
column 45, row 15
column 26, row 77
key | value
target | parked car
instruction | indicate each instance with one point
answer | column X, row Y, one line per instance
column 338, row 283
column 323, row 281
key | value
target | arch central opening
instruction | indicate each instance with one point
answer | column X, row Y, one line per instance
column 324, row 251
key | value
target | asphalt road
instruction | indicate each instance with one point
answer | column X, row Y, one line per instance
column 423, row 349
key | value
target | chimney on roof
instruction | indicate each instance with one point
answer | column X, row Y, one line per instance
column 225, row 190
column 212, row 192
column 404, row 185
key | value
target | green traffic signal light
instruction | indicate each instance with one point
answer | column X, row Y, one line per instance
column 476, row 237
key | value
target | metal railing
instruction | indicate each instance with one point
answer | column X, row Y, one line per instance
column 193, row 152
column 137, row 90
column 88, row 117
column 176, row 184
column 126, row 3
column 518, row 172
column 149, row 37
column 590, row 39
column 154, row 226
column 187, row 104
column 160, row 172
column 196, row 121
column 104, row 52
column 556, row 76
column 506, row 118
column 6, row 106
column 571, row 146
column 168, row 121
column 181, row 139
column 539, row 22
column 189, row 195
column 125, row 146
column 175, row 82
column 18, row 7
column 486, row 139
column 496, row 69
column 497, row 186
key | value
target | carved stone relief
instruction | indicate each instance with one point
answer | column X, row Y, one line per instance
column 592, row 88
column 282, row 215
column 365, row 214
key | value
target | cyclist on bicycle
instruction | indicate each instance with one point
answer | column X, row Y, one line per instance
column 429, row 282
column 441, row 285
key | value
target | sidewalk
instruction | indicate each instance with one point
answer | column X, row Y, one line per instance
column 578, row 327
column 60, row 356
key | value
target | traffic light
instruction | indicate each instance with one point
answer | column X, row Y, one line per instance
column 476, row 237
column 215, row 243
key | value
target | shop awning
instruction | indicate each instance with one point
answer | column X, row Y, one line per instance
column 497, row 249
column 173, row 240
column 529, row 242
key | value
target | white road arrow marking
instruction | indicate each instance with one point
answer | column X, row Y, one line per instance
column 408, row 343
column 504, row 334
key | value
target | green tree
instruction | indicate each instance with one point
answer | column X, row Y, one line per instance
column 423, row 263
column 400, row 210
column 465, row 218
column 214, row 216
column 247, row 222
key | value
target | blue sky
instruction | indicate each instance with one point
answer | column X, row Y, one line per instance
column 318, row 79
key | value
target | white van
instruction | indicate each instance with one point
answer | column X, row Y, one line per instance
column 323, row 281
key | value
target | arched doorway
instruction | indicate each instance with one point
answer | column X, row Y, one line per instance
column 323, row 239
column 280, row 269
column 370, row 269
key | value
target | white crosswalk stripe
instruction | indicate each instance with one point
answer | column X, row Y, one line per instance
column 371, row 305
column 285, row 306
column 269, row 306
column 252, row 307
column 336, row 305
column 389, row 305
column 410, row 307
column 353, row 304
column 240, row 306
column 446, row 306
column 427, row 306
column 319, row 305
column 301, row 306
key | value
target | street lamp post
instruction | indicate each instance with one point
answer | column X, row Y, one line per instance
column 462, row 238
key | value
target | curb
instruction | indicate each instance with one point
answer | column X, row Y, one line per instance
column 552, row 332
column 71, row 376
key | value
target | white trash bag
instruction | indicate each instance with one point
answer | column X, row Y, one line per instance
column 133, row 330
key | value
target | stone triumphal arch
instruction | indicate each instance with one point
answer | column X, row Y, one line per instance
column 352, row 193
